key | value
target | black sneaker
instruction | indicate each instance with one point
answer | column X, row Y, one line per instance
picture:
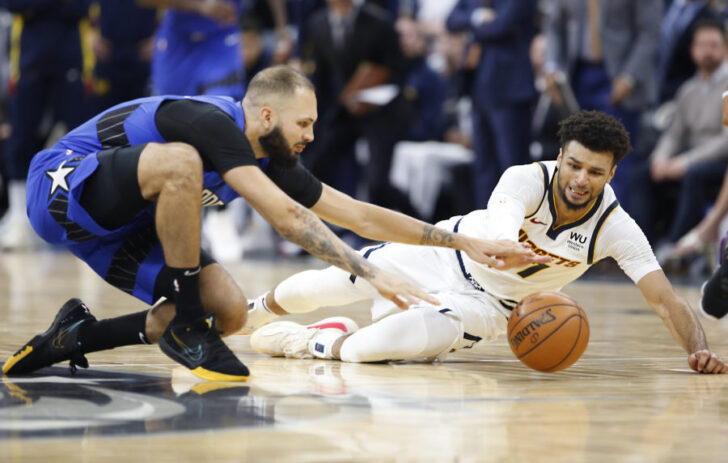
column 57, row 343
column 714, row 297
column 197, row 345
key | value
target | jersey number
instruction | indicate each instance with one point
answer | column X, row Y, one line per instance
column 527, row 272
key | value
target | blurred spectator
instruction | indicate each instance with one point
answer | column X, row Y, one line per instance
column 460, row 62
column 122, row 45
column 353, row 53
column 607, row 50
column 424, row 89
column 46, row 69
column 675, row 64
column 706, row 233
column 256, row 52
column 197, row 48
column 545, row 144
column 690, row 159
column 503, row 93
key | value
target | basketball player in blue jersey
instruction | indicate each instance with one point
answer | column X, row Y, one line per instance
column 124, row 191
column 197, row 49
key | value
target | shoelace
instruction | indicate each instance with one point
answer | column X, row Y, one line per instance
column 297, row 345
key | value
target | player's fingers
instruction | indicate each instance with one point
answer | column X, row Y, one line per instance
column 419, row 295
column 714, row 365
column 541, row 259
column 491, row 261
column 703, row 358
column 399, row 302
column 693, row 362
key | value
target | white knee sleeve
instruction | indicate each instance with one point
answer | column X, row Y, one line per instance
column 309, row 290
column 417, row 333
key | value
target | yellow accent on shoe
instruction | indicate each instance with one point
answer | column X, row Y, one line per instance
column 204, row 388
column 10, row 363
column 214, row 376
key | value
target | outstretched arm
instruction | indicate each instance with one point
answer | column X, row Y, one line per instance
column 299, row 225
column 382, row 224
column 681, row 321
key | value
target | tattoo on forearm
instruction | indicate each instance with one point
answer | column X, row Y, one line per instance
column 312, row 235
column 437, row 236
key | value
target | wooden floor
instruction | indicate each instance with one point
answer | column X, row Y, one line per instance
column 631, row 398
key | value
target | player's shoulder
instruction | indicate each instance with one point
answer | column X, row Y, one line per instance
column 616, row 222
column 539, row 170
column 534, row 176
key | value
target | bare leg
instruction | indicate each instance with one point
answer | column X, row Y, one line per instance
column 171, row 175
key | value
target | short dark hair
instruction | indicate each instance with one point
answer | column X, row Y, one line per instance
column 597, row 131
column 277, row 80
column 709, row 23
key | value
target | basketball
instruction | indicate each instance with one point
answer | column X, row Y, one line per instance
column 548, row 331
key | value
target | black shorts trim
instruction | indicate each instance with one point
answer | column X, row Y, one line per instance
column 111, row 195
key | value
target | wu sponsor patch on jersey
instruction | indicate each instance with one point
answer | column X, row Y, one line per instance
column 577, row 241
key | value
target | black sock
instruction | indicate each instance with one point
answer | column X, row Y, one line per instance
column 114, row 332
column 186, row 292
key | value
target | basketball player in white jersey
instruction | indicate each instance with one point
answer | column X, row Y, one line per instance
column 564, row 209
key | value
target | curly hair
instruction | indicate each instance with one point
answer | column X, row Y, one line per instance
column 597, row 131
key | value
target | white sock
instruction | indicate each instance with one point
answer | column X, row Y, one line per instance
column 259, row 314
column 322, row 342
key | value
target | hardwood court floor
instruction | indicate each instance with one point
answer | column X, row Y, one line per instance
column 630, row 398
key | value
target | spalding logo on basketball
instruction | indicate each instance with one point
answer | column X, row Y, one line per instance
column 548, row 331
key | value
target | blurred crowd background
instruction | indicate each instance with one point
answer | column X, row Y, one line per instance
column 422, row 103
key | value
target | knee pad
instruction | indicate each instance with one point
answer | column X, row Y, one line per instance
column 417, row 333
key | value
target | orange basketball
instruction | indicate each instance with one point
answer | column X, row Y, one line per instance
column 548, row 331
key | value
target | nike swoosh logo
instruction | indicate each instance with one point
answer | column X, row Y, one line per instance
column 189, row 273
column 57, row 342
column 194, row 354
column 537, row 222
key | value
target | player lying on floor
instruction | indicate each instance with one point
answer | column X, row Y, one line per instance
column 564, row 209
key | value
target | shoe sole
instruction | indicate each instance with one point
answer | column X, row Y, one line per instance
column 216, row 376
column 29, row 347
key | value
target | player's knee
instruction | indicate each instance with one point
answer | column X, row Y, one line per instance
column 182, row 166
column 414, row 334
column 233, row 317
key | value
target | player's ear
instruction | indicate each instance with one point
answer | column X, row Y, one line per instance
column 267, row 115
column 611, row 173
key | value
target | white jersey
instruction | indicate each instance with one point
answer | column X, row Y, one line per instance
column 522, row 208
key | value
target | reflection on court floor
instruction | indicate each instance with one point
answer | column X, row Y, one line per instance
column 631, row 397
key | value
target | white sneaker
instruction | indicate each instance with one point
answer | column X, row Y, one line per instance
column 293, row 340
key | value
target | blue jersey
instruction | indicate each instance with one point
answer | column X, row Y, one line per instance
column 191, row 24
column 56, row 180
column 194, row 55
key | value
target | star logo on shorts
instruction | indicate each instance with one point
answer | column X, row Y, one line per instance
column 58, row 177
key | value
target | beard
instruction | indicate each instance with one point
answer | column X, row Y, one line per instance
column 278, row 150
column 709, row 64
column 572, row 206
